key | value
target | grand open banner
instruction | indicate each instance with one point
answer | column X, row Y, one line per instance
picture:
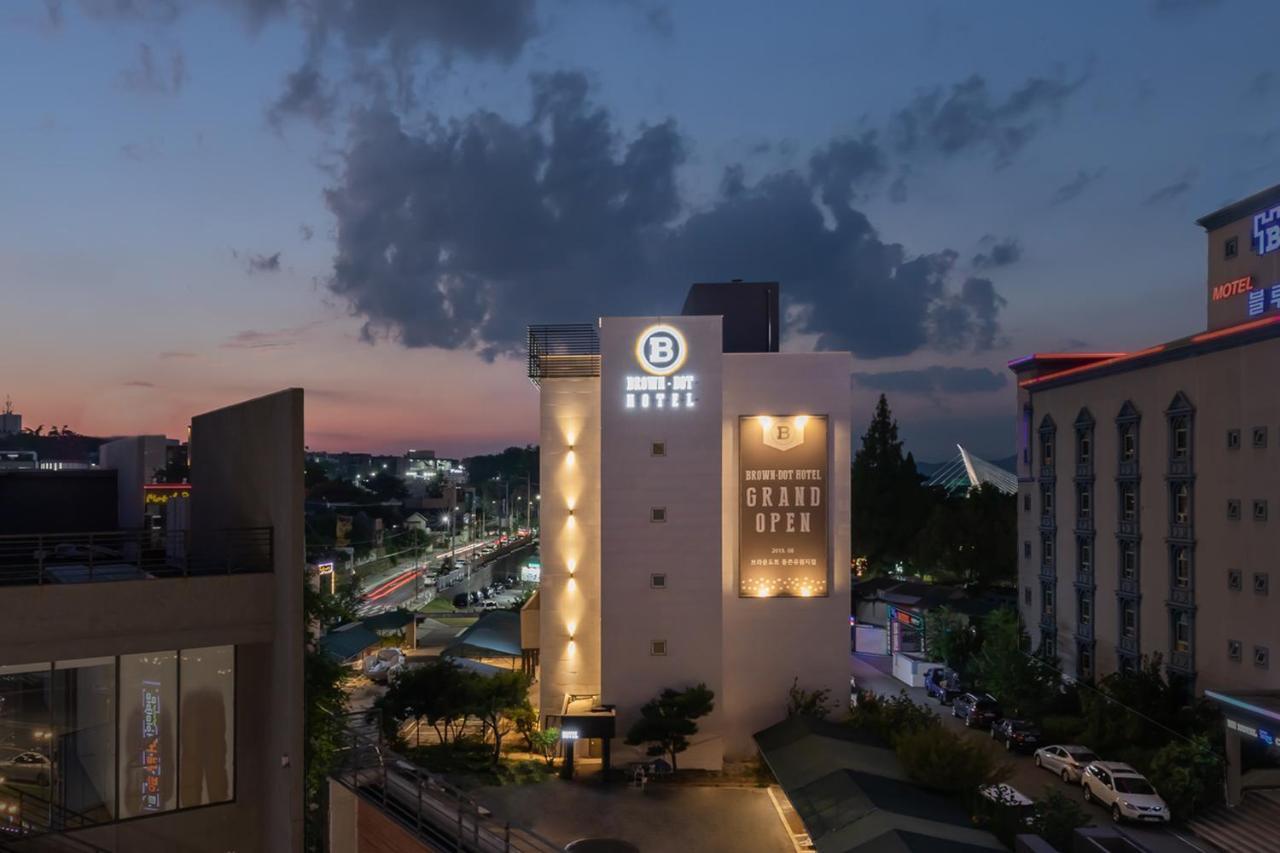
column 783, row 549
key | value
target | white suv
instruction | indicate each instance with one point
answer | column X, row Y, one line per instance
column 1125, row 791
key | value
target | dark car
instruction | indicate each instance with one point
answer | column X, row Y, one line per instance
column 1016, row 734
column 461, row 600
column 942, row 684
column 977, row 711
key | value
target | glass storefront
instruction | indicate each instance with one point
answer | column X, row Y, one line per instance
column 99, row 739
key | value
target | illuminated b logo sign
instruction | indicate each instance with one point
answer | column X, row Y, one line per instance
column 660, row 350
column 783, row 433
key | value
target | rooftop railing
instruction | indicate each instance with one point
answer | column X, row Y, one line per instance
column 564, row 351
column 121, row 555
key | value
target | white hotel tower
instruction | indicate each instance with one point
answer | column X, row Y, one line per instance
column 695, row 520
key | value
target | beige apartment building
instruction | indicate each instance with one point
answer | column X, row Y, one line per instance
column 1149, row 483
column 695, row 521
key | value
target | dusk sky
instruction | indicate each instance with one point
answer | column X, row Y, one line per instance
column 208, row 200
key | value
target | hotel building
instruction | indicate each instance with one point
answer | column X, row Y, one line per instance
column 151, row 678
column 1149, row 483
column 695, row 520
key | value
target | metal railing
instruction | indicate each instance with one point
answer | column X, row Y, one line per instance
column 117, row 555
column 571, row 350
column 440, row 815
column 29, row 822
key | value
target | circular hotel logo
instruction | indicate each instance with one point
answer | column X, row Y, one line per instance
column 661, row 350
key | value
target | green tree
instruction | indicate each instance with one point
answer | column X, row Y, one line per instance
column 971, row 538
column 889, row 501
column 1025, row 684
column 667, row 722
column 808, row 703
column 1135, row 710
column 1057, row 817
column 499, row 700
column 388, row 487
column 545, row 742
column 938, row 758
column 890, row 717
column 440, row 693
column 324, row 728
column 952, row 639
column 1188, row 775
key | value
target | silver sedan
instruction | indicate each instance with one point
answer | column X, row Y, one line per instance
column 1067, row 761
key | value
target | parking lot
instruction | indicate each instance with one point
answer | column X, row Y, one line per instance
column 871, row 673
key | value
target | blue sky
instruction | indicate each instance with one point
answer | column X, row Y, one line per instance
column 171, row 243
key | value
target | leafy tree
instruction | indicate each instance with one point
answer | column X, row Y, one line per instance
column 337, row 491
column 808, row 703
column 388, row 487
column 544, row 742
column 313, row 474
column 667, row 722
column 514, row 463
column 1135, row 709
column 1057, row 817
column 440, row 693
column 952, row 639
column 888, row 498
column 938, row 758
column 1188, row 775
column 971, row 538
column 325, row 704
column 1026, row 685
column 497, row 700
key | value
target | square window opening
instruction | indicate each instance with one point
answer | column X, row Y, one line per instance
column 658, row 647
column 658, row 581
column 1233, row 439
column 1260, row 437
column 658, row 448
column 658, row 514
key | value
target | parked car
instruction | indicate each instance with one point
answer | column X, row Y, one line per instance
column 31, row 767
column 1125, row 791
column 942, row 684
column 475, row 597
column 1016, row 734
column 460, row 600
column 491, row 605
column 977, row 710
column 1066, row 760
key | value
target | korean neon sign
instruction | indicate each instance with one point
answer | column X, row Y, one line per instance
column 1266, row 231
column 1261, row 734
column 151, row 764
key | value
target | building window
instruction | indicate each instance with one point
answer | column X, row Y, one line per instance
column 1026, row 596
column 1084, row 606
column 1235, row 580
column 1180, row 437
column 1084, row 447
column 1128, row 502
column 1026, row 549
column 1260, row 437
column 1233, row 439
column 1084, row 556
column 1048, row 645
column 206, row 724
column 658, row 647
column 1084, row 662
column 1046, row 550
column 1230, row 248
column 1128, row 442
column 1234, row 650
column 1046, row 449
column 1261, row 583
column 1181, row 631
column 1046, row 500
column 1046, row 599
column 1084, row 501
column 658, row 448
column 1261, row 657
column 1128, row 559
column 1026, row 502
column 148, row 733
column 1233, row 509
column 1259, row 510
column 1181, row 503
column 1128, row 618
column 1182, row 567
column 658, row 581
column 658, row 513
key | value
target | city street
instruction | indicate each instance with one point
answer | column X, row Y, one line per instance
column 872, row 673
column 391, row 591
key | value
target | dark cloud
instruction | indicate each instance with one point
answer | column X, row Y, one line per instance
column 459, row 235
column 307, row 232
column 997, row 253
column 933, row 380
column 274, row 339
column 306, row 95
column 1074, row 187
column 149, row 11
column 138, row 383
column 154, row 76
column 1171, row 191
column 262, row 263
column 1173, row 7
column 969, row 118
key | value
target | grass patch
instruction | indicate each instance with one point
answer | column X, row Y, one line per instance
column 439, row 604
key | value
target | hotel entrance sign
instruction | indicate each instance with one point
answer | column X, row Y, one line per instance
column 783, row 549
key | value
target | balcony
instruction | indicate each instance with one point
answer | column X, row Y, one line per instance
column 563, row 352
column 122, row 555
